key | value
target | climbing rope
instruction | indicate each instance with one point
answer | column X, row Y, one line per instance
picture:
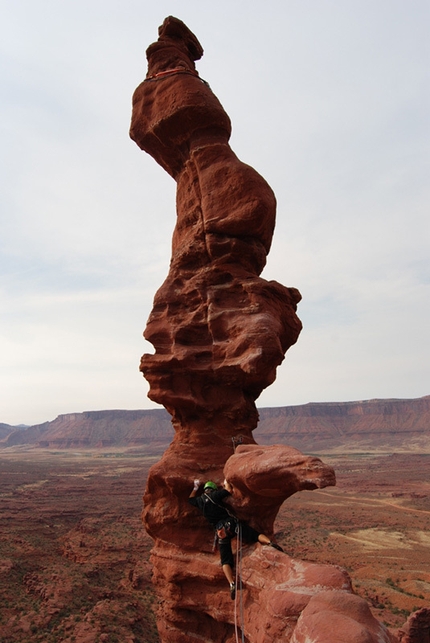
column 174, row 71
column 238, row 580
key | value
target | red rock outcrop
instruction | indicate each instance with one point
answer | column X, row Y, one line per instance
column 187, row 573
column 264, row 477
column 219, row 333
column 417, row 627
column 339, row 618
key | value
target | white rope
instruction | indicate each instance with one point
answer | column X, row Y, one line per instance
column 238, row 581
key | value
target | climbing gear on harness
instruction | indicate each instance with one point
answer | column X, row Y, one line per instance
column 276, row 546
column 226, row 529
column 210, row 485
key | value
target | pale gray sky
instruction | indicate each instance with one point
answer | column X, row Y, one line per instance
column 329, row 101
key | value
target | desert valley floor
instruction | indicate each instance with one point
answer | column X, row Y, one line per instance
column 74, row 556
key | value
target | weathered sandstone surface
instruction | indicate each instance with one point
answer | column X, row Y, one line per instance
column 338, row 618
column 416, row 628
column 218, row 329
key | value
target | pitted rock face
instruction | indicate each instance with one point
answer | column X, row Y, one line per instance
column 263, row 477
column 417, row 627
column 219, row 332
column 339, row 618
column 215, row 322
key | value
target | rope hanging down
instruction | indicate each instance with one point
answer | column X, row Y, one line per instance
column 239, row 589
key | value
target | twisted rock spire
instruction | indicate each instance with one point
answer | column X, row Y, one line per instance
column 219, row 332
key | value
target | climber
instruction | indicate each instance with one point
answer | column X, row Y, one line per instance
column 226, row 525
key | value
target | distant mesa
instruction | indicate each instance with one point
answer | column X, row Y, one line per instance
column 7, row 429
column 372, row 425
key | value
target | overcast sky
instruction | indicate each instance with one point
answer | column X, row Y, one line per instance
column 329, row 101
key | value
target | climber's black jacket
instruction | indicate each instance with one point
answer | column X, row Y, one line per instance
column 211, row 505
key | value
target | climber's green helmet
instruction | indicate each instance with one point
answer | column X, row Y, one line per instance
column 210, row 485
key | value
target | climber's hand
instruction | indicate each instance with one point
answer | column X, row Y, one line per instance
column 196, row 484
column 228, row 486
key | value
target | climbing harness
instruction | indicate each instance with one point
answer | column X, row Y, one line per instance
column 226, row 528
column 239, row 587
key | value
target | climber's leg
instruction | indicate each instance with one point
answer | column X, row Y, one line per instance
column 264, row 540
column 250, row 535
column 228, row 571
column 227, row 562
